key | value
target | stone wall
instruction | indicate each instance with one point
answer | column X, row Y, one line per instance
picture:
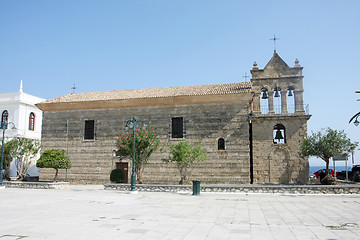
column 279, row 163
column 280, row 189
column 92, row 160
column 36, row 185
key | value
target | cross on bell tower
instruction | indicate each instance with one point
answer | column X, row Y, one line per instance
column 246, row 77
column 274, row 39
column 74, row 88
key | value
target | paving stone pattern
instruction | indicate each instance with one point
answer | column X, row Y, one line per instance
column 88, row 212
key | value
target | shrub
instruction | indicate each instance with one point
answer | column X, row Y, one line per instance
column 117, row 176
column 54, row 158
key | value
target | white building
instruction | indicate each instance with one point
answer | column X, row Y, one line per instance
column 19, row 108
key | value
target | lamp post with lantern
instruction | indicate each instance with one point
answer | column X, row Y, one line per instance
column 132, row 124
column 356, row 122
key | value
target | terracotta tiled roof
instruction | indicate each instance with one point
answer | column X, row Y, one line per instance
column 212, row 89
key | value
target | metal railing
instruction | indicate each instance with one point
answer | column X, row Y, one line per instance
column 291, row 109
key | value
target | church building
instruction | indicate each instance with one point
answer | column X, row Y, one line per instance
column 251, row 131
column 24, row 120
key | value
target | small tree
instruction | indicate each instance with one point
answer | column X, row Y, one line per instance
column 24, row 150
column 326, row 145
column 185, row 155
column 54, row 158
column 146, row 142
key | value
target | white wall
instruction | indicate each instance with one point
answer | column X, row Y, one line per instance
column 19, row 106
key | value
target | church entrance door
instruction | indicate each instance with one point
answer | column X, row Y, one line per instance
column 124, row 166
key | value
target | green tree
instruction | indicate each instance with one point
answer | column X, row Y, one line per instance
column 146, row 142
column 54, row 158
column 7, row 157
column 185, row 155
column 327, row 144
column 22, row 151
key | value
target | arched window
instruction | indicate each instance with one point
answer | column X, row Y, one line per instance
column 221, row 144
column 279, row 134
column 32, row 122
column 4, row 116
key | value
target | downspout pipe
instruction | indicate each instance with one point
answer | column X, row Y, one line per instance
column 251, row 149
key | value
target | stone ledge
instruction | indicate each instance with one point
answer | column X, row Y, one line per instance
column 148, row 187
column 286, row 189
column 36, row 185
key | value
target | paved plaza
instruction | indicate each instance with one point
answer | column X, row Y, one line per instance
column 89, row 212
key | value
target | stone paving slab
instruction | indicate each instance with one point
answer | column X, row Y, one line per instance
column 90, row 212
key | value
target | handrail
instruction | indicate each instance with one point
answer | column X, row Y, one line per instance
column 291, row 109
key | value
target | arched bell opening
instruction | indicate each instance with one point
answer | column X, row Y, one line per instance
column 277, row 100
column 264, row 101
column 279, row 134
column 290, row 100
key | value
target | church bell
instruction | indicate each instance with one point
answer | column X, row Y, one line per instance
column 290, row 94
column 277, row 93
column 278, row 135
column 264, row 95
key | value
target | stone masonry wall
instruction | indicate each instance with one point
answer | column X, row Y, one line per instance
column 92, row 160
column 279, row 163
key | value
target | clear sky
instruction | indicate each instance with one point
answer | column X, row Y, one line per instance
column 117, row 44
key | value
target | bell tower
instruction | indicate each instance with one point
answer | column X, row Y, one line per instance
column 279, row 123
column 276, row 83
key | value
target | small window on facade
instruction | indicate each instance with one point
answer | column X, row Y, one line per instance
column 5, row 116
column 177, row 126
column 89, row 130
column 279, row 135
column 32, row 122
column 221, row 144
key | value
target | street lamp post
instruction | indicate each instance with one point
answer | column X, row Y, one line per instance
column 356, row 122
column 132, row 123
column 4, row 126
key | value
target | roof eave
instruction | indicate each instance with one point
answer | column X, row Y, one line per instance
column 146, row 102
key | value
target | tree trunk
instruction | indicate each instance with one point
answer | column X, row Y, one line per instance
column 327, row 167
column 139, row 173
column 183, row 173
column 56, row 173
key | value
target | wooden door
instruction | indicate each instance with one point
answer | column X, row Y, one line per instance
column 123, row 166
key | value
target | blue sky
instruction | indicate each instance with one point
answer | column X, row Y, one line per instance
column 114, row 44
